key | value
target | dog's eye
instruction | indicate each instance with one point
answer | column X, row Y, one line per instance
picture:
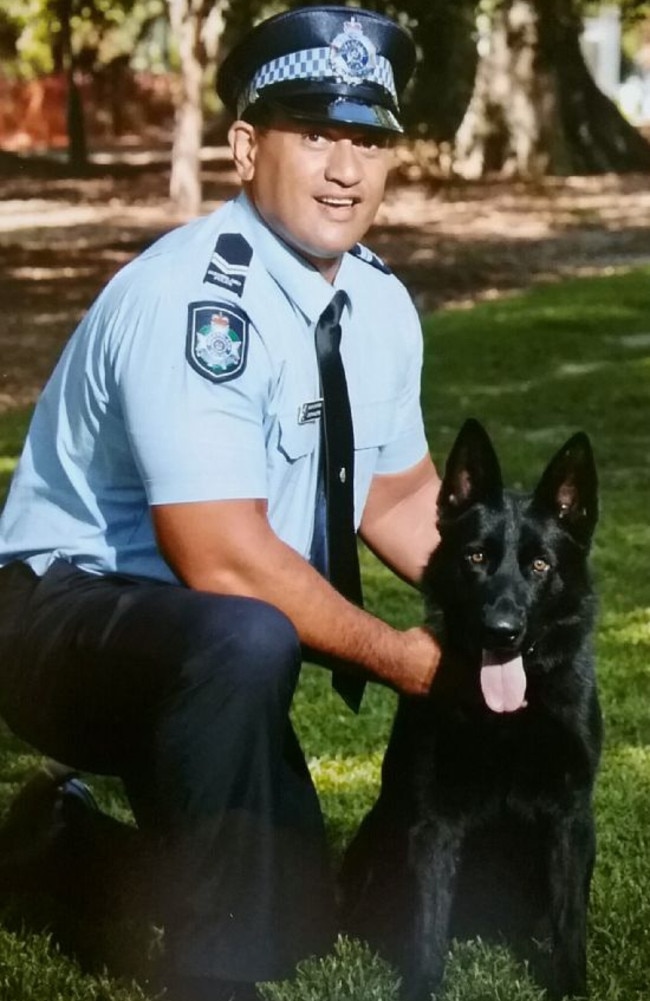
column 476, row 557
column 540, row 565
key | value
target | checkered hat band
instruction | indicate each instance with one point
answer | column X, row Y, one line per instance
column 310, row 64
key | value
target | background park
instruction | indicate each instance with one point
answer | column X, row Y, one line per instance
column 518, row 215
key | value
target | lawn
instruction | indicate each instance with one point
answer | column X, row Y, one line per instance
column 534, row 368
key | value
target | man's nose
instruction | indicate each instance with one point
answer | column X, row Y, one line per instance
column 343, row 164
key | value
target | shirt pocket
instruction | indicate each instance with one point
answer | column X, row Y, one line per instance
column 373, row 424
column 295, row 440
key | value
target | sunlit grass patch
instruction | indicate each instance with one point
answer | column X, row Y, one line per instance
column 347, row 788
column 628, row 627
column 356, row 775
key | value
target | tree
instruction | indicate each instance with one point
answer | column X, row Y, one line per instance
column 202, row 28
column 188, row 20
column 535, row 107
column 73, row 39
column 443, row 31
column 77, row 148
column 37, row 37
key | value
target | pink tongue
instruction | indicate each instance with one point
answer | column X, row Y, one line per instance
column 503, row 683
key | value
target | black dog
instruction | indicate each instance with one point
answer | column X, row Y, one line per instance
column 484, row 825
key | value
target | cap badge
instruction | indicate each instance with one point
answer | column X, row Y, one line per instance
column 353, row 56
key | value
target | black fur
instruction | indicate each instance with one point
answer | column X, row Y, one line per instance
column 484, row 824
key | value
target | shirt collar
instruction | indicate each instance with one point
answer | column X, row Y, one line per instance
column 301, row 282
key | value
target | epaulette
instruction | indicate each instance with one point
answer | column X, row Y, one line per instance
column 230, row 262
column 367, row 255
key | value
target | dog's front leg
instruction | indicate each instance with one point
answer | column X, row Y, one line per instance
column 572, row 852
column 433, row 857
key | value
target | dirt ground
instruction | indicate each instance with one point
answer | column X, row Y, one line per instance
column 61, row 238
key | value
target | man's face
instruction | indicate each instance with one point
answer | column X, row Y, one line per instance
column 317, row 187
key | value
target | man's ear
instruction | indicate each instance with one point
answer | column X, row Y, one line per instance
column 242, row 138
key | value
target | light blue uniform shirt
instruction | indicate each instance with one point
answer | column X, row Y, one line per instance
column 188, row 380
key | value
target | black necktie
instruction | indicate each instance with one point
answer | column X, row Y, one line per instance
column 336, row 487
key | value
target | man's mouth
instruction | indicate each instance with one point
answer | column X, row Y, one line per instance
column 337, row 203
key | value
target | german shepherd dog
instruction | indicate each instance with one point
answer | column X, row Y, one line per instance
column 484, row 823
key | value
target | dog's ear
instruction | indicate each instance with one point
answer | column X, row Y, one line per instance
column 569, row 488
column 472, row 472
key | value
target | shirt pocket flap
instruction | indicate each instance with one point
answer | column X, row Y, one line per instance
column 295, row 439
column 372, row 424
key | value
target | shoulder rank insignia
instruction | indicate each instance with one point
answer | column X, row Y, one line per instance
column 229, row 263
column 367, row 255
column 217, row 340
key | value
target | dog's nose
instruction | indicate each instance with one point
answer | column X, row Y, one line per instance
column 503, row 631
column 501, row 636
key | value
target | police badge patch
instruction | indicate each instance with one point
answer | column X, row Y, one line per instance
column 353, row 57
column 217, row 340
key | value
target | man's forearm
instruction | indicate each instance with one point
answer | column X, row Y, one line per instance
column 254, row 562
column 399, row 520
column 325, row 620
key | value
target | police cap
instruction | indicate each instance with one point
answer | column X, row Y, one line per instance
column 326, row 65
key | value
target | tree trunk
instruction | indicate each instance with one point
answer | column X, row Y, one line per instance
column 598, row 138
column 76, row 126
column 188, row 18
column 535, row 107
column 443, row 32
column 77, row 147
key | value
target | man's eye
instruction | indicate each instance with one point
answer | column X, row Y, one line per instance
column 365, row 142
column 540, row 565
column 315, row 138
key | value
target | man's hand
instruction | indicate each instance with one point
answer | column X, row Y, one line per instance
column 409, row 660
column 423, row 656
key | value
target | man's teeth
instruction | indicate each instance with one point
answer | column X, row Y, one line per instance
column 347, row 202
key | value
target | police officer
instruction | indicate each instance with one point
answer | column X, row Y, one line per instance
column 157, row 592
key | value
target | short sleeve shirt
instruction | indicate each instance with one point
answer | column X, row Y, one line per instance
column 193, row 377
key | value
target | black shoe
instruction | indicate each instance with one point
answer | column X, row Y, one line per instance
column 73, row 790
column 36, row 825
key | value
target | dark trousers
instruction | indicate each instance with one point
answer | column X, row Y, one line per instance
column 185, row 696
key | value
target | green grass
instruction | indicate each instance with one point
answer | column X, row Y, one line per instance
column 534, row 368
column 13, row 426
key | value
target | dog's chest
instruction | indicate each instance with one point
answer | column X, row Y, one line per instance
column 482, row 764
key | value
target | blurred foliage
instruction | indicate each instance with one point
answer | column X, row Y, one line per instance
column 137, row 31
column 135, row 35
column 634, row 10
column 102, row 31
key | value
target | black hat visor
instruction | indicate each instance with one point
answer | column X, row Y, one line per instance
column 368, row 107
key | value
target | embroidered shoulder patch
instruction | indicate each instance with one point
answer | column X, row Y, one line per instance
column 367, row 255
column 217, row 340
column 229, row 263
